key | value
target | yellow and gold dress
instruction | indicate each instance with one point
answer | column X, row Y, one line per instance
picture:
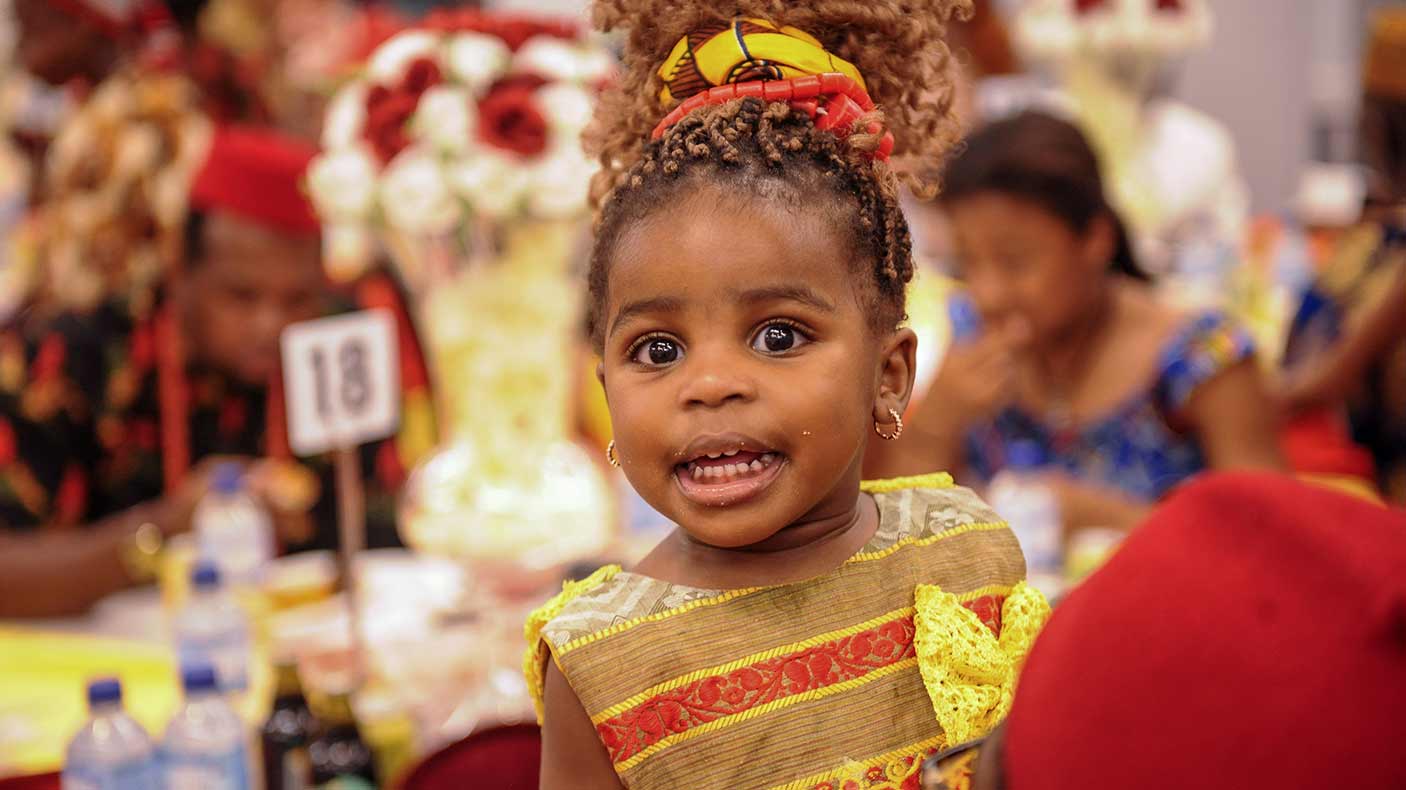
column 846, row 680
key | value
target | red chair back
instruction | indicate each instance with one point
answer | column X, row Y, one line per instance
column 504, row 758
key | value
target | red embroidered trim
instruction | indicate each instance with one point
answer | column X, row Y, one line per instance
column 712, row 698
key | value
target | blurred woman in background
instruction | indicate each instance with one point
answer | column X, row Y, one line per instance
column 1070, row 362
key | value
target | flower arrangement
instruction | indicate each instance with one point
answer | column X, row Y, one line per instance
column 1057, row 30
column 116, row 180
column 465, row 118
column 456, row 148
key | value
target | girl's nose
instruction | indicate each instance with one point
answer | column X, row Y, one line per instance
column 716, row 379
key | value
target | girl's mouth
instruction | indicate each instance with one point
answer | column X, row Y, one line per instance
column 728, row 477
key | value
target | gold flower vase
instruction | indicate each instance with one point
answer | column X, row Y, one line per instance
column 509, row 492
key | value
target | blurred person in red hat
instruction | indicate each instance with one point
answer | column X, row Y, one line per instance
column 1251, row 634
column 113, row 412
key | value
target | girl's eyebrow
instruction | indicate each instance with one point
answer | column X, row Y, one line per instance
column 792, row 293
column 658, row 304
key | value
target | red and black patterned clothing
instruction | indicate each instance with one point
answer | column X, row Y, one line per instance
column 81, row 426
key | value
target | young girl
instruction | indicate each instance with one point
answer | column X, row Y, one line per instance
column 747, row 287
column 1076, row 360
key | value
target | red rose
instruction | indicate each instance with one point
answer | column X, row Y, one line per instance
column 508, row 118
column 421, row 75
column 387, row 113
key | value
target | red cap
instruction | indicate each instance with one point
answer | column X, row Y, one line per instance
column 257, row 175
column 1251, row 634
column 119, row 18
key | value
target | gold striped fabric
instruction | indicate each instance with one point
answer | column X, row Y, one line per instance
column 805, row 685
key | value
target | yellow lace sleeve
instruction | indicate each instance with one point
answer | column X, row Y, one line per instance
column 970, row 674
column 534, row 662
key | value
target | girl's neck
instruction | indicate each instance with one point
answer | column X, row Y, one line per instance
column 1067, row 357
column 812, row 546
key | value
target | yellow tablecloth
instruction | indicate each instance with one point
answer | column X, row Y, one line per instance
column 43, row 679
column 43, row 690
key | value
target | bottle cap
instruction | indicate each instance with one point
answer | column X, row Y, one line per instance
column 205, row 575
column 198, row 677
column 228, row 478
column 104, row 690
column 1025, row 455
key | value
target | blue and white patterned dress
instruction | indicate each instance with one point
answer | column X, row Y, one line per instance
column 1134, row 449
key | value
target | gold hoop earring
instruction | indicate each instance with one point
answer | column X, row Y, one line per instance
column 897, row 427
column 610, row 454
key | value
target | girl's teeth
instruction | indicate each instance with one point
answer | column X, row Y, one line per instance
column 730, row 471
column 715, row 456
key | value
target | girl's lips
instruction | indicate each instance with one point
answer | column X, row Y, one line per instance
column 730, row 479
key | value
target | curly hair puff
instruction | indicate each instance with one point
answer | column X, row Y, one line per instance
column 898, row 45
column 772, row 151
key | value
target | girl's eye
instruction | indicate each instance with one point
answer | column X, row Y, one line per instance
column 657, row 352
column 778, row 339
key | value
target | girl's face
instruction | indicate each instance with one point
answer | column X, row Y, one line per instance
column 1025, row 265
column 743, row 377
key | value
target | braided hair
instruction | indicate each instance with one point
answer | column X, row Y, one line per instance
column 770, row 151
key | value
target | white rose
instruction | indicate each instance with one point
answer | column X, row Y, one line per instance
column 551, row 58
column 414, row 195
column 445, row 118
column 138, row 148
column 347, row 251
column 493, row 184
column 567, row 108
column 168, row 194
column 596, row 65
column 560, row 183
column 112, row 101
column 346, row 117
column 477, row 60
column 388, row 63
column 342, row 183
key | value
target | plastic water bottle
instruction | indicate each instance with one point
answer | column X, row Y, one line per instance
column 213, row 630
column 204, row 748
column 1032, row 511
column 112, row 751
column 233, row 529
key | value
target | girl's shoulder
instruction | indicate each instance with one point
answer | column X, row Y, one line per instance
column 917, row 508
column 1205, row 344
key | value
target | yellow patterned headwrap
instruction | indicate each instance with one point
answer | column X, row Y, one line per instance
column 745, row 50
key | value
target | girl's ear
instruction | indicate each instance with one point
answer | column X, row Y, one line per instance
column 1100, row 243
column 897, row 368
column 600, row 376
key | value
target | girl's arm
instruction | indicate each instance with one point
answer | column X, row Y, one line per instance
column 1235, row 420
column 572, row 755
column 1236, row 424
column 1340, row 369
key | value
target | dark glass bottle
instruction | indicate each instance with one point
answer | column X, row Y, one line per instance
column 341, row 760
column 287, row 733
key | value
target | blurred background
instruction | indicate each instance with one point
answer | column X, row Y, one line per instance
column 1175, row 228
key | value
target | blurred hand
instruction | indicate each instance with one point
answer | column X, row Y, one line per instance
column 977, row 379
column 174, row 511
column 289, row 491
column 286, row 489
